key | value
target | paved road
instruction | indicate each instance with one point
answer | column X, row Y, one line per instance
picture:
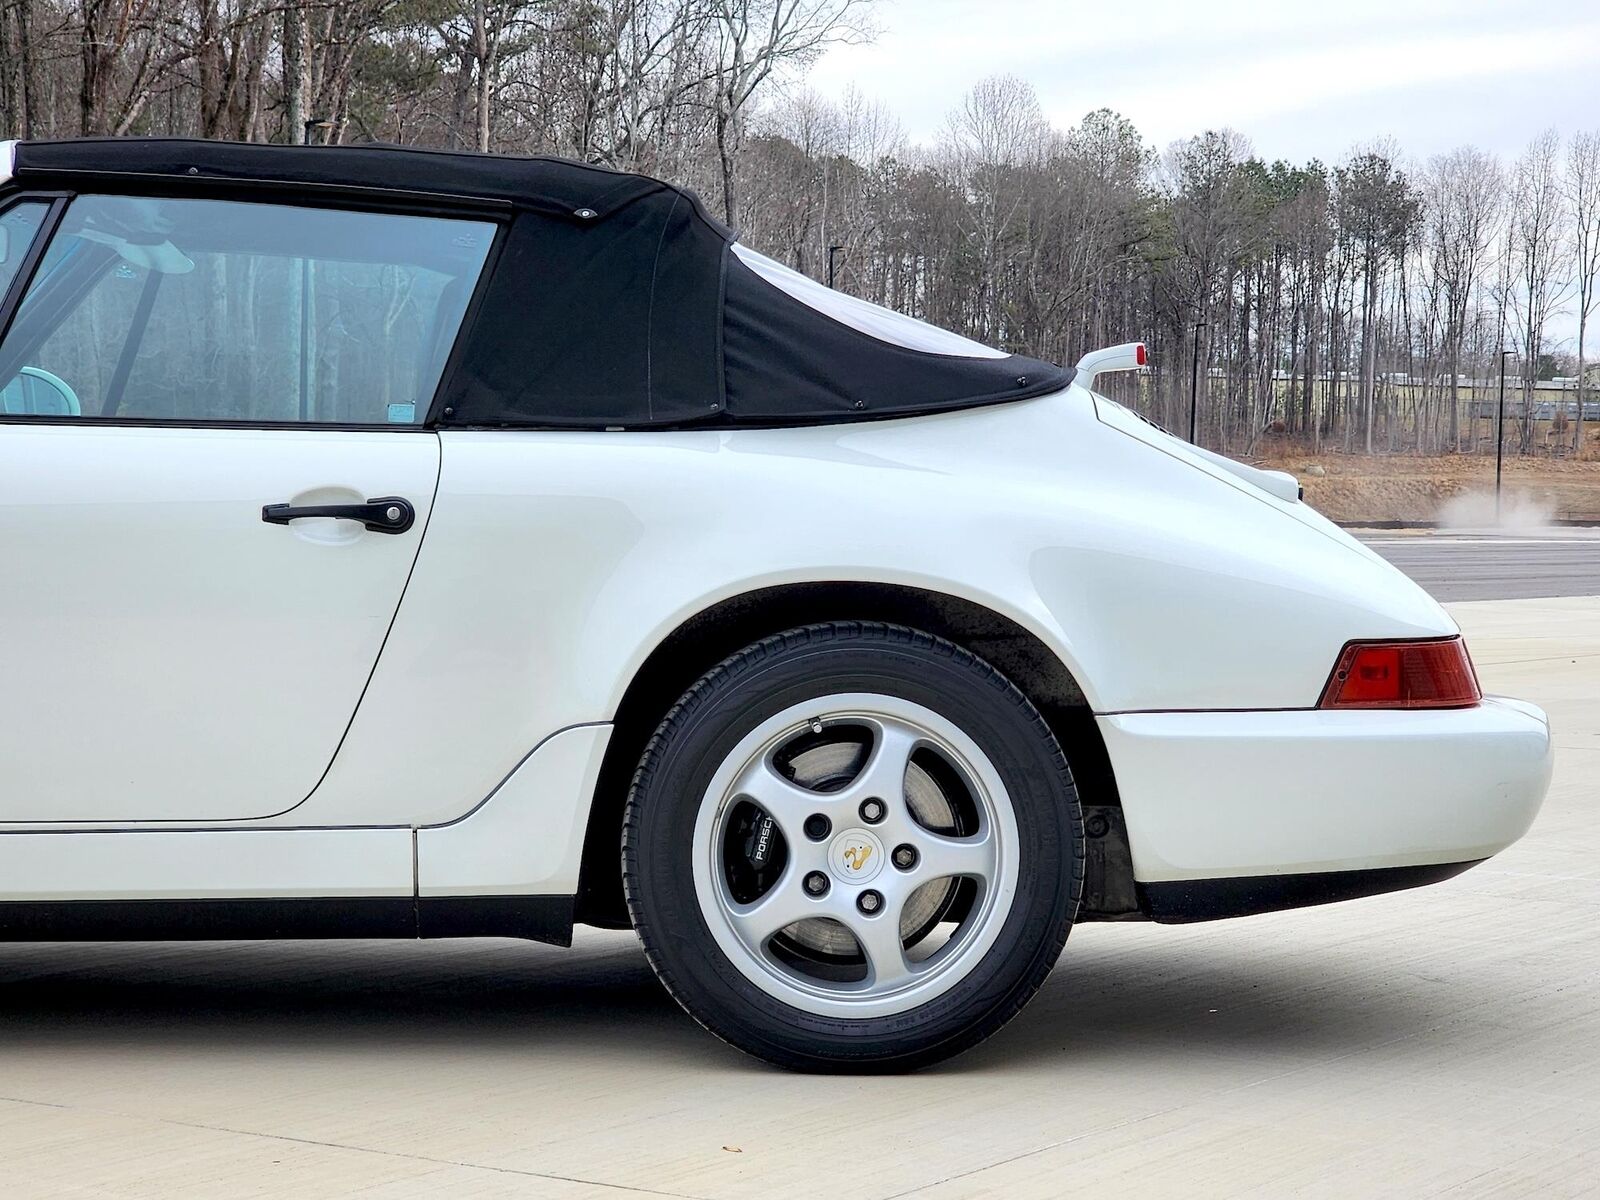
column 1497, row 566
column 1445, row 1040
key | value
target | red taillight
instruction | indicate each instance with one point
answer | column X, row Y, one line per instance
column 1141, row 355
column 1435, row 674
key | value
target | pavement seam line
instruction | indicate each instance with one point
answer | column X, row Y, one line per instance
column 300, row 1141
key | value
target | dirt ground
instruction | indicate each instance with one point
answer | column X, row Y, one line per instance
column 1453, row 490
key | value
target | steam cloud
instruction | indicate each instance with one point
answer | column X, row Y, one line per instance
column 1476, row 510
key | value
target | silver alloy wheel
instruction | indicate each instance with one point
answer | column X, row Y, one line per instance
column 856, row 858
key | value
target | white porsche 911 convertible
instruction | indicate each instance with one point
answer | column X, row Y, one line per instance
column 409, row 544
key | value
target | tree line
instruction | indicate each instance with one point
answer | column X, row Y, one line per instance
column 1362, row 306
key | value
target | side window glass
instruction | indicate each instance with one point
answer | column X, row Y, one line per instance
column 212, row 310
column 18, row 225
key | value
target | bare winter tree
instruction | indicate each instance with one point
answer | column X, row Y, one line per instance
column 1537, row 226
column 639, row 69
column 998, row 133
column 296, row 79
column 755, row 38
column 1583, row 200
column 122, row 51
column 1376, row 207
column 1208, row 231
column 19, row 64
column 790, row 179
column 1464, row 197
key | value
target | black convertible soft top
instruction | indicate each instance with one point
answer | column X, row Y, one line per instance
column 613, row 300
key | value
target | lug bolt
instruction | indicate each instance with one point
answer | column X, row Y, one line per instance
column 869, row 902
column 873, row 811
column 818, row 827
column 905, row 857
column 817, row 883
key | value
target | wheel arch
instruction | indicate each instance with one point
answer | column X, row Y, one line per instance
column 713, row 633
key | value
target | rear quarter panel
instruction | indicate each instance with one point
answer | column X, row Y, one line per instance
column 555, row 562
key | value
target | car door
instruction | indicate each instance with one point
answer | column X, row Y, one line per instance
column 214, row 479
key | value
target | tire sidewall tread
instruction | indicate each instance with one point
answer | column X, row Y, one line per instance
column 700, row 730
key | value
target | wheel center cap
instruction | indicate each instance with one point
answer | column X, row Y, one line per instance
column 855, row 856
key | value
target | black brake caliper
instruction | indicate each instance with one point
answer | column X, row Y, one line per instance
column 754, row 854
column 761, row 842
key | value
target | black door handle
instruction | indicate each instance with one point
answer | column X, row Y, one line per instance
column 386, row 514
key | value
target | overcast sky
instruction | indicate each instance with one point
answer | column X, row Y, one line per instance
column 1300, row 78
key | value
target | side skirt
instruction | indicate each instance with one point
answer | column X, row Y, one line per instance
column 1215, row 899
column 536, row 918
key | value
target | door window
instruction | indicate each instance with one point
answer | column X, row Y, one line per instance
column 213, row 310
column 18, row 224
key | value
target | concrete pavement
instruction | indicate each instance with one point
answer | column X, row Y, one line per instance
column 1441, row 1041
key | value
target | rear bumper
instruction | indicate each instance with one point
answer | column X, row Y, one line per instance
column 1370, row 800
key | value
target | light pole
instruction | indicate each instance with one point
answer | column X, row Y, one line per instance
column 832, row 250
column 1500, row 433
column 1194, row 384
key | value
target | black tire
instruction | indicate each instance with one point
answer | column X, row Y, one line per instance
column 768, row 677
